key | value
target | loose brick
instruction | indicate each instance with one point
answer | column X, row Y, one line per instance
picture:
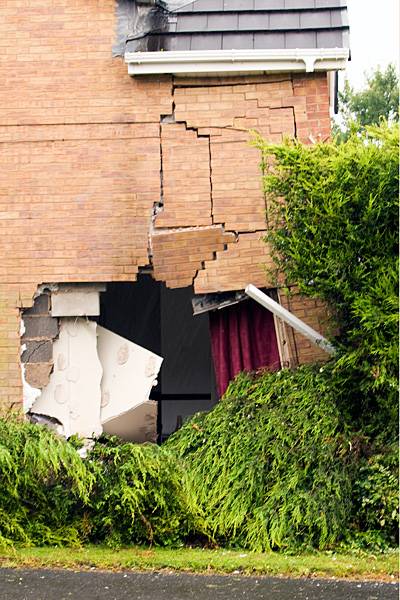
column 38, row 374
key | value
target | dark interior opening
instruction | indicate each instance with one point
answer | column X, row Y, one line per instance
column 160, row 319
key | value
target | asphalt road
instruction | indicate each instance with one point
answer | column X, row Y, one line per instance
column 23, row 584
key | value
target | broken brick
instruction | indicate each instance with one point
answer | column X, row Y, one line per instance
column 38, row 374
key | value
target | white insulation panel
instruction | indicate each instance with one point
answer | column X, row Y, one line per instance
column 73, row 393
column 129, row 373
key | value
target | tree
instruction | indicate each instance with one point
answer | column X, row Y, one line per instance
column 379, row 99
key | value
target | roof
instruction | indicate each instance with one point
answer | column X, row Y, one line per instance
column 214, row 25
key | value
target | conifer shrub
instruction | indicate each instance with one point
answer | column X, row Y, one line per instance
column 376, row 500
column 138, row 496
column 44, row 484
column 333, row 216
column 336, row 235
column 270, row 466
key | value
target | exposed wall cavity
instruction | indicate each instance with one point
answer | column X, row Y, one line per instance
column 79, row 378
column 39, row 330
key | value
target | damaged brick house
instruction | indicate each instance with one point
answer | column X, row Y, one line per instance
column 129, row 190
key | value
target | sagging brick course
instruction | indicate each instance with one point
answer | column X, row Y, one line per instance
column 242, row 263
column 80, row 161
column 179, row 255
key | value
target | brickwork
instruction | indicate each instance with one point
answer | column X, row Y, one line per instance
column 244, row 262
column 179, row 255
column 82, row 149
column 56, row 66
column 186, row 178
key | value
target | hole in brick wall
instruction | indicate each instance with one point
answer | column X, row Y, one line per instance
column 94, row 351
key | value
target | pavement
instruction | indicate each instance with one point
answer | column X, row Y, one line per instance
column 24, row 584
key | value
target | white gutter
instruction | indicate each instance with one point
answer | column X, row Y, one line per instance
column 194, row 62
column 281, row 312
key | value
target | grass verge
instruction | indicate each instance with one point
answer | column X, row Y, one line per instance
column 382, row 567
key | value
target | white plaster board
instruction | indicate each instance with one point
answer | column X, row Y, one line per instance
column 75, row 303
column 129, row 373
column 136, row 425
column 73, row 393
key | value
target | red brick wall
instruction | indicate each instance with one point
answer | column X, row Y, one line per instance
column 82, row 147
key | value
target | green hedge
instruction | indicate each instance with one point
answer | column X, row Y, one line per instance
column 336, row 236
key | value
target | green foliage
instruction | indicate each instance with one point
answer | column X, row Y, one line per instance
column 43, row 485
column 376, row 497
column 336, row 237
column 379, row 100
column 138, row 496
column 269, row 466
column 123, row 493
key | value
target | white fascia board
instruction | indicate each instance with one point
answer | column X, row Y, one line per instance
column 236, row 61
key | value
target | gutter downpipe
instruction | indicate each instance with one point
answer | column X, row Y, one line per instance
column 279, row 311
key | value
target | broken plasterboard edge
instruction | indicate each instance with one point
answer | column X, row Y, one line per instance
column 73, row 395
column 136, row 425
column 129, row 373
column 29, row 394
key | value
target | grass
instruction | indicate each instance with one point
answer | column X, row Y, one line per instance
column 383, row 567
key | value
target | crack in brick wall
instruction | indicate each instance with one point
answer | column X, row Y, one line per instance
column 222, row 116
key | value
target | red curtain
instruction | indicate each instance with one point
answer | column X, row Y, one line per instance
column 243, row 338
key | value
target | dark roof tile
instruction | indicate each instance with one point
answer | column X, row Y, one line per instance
column 282, row 20
column 301, row 39
column 240, row 24
column 329, row 3
column 253, row 21
column 211, row 42
column 194, row 22
column 237, row 41
column 339, row 18
column 238, row 4
column 223, row 22
column 330, row 39
column 300, row 4
column 269, row 4
column 269, row 41
column 315, row 19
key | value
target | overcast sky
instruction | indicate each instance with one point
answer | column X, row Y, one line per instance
column 374, row 36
